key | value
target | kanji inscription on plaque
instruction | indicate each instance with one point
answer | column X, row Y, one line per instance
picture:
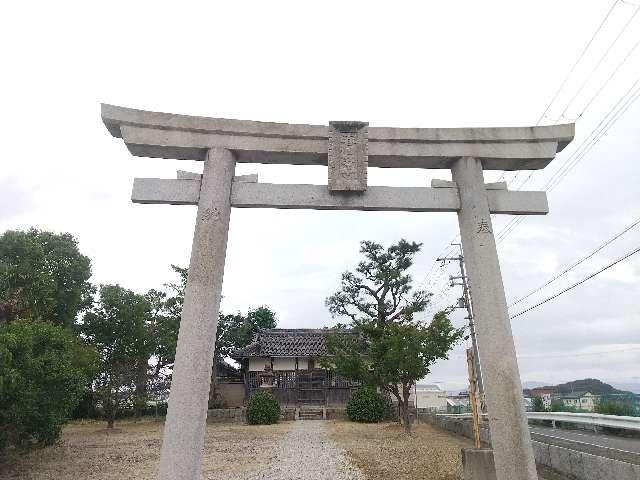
column 347, row 156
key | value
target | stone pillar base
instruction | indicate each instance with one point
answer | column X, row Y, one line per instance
column 477, row 464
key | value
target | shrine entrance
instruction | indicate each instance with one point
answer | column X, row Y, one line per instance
column 348, row 149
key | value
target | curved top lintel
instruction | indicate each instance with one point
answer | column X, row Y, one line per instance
column 114, row 117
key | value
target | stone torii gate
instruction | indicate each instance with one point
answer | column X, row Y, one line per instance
column 348, row 148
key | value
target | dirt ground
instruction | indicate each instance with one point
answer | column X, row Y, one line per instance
column 384, row 451
column 131, row 451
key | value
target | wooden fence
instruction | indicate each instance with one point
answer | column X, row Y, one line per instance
column 305, row 387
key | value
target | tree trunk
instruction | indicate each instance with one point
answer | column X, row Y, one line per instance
column 406, row 415
column 213, row 389
column 406, row 392
column 140, row 399
column 111, row 413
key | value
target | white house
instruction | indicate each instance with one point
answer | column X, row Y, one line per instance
column 431, row 397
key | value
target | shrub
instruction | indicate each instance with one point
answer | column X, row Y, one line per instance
column 366, row 405
column 263, row 409
column 44, row 371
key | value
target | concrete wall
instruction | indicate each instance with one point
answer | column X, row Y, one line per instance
column 238, row 415
column 226, row 415
column 432, row 400
column 572, row 463
column 232, row 393
column 257, row 364
column 583, row 466
column 284, row 363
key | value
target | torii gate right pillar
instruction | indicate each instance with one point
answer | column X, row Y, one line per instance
column 510, row 436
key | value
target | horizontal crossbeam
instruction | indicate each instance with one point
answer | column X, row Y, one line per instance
column 163, row 135
column 185, row 145
column 318, row 197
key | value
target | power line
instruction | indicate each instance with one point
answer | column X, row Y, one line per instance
column 624, row 60
column 444, row 252
column 595, row 136
column 562, row 171
column 578, row 262
column 584, row 51
column 601, row 129
column 604, row 55
column 556, row 295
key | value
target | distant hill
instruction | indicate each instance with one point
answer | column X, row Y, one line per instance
column 630, row 386
column 593, row 385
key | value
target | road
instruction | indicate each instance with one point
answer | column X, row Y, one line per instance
column 609, row 441
column 622, row 448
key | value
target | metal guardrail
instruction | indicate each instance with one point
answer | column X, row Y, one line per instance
column 595, row 419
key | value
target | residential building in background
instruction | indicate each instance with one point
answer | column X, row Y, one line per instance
column 431, row 397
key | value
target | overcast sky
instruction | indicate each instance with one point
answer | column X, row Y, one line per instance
column 401, row 64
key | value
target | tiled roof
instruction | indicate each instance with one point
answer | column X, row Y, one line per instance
column 287, row 342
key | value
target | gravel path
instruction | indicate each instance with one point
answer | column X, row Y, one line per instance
column 307, row 453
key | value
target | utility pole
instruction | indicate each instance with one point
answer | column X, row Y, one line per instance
column 475, row 415
column 465, row 302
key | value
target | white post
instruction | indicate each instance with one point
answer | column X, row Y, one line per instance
column 510, row 436
column 183, row 439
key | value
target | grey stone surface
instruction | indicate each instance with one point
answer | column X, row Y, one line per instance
column 166, row 191
column 599, row 468
column 466, row 151
column 306, row 453
column 477, row 464
column 347, row 156
column 184, row 175
column 248, row 194
column 183, row 437
column 541, row 453
column 114, row 117
column 513, row 453
column 166, row 135
column 435, row 183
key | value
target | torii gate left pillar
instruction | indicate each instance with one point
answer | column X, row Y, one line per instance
column 181, row 454
column 348, row 148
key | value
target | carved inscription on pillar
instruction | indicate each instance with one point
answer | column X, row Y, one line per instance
column 348, row 156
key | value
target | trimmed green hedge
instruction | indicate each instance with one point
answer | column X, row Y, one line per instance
column 263, row 409
column 366, row 405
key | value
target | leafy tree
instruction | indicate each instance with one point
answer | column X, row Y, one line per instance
column 234, row 331
column 538, row 404
column 617, row 407
column 118, row 328
column 367, row 405
column 557, row 406
column 43, row 372
column 380, row 290
column 43, row 276
column 389, row 348
column 169, row 310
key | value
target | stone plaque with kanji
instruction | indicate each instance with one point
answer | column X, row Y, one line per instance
column 348, row 156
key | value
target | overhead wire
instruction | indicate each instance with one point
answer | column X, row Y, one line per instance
column 601, row 129
column 580, row 57
column 576, row 284
column 578, row 262
column 602, row 58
